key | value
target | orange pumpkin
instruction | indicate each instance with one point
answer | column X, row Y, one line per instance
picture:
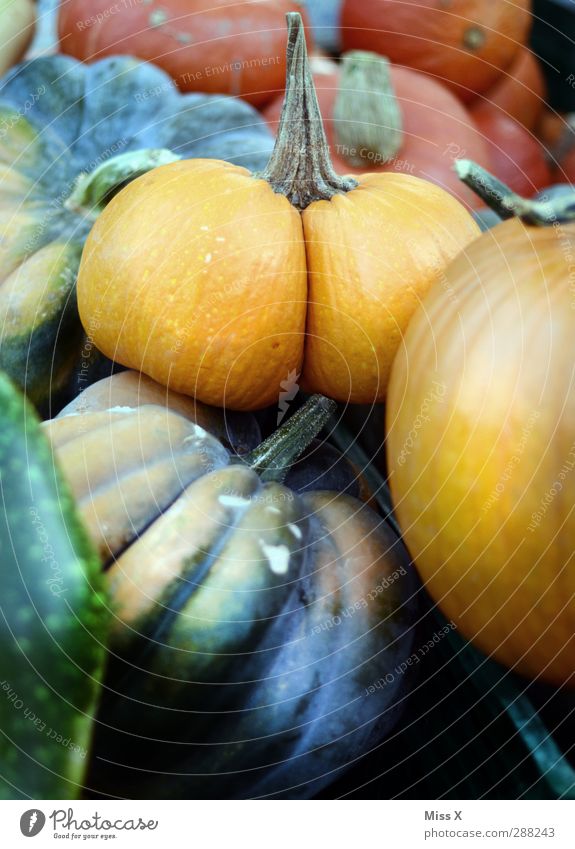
column 519, row 92
column 463, row 43
column 208, row 278
column 566, row 171
column 517, row 157
column 435, row 127
column 216, row 47
column 562, row 147
column 551, row 127
column 480, row 437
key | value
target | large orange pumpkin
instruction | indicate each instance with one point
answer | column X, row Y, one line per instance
column 435, row 127
column 208, row 278
column 216, row 47
column 480, row 442
column 464, row 43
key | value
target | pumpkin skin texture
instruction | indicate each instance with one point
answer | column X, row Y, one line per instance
column 221, row 315
column 464, row 44
column 225, row 320
column 436, row 130
column 484, row 486
column 347, row 357
column 519, row 93
column 517, row 157
column 220, row 578
column 82, row 117
column 216, row 47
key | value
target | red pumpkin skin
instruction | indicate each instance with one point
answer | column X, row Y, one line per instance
column 566, row 171
column 520, row 92
column 517, row 157
column 436, row 130
column 216, row 47
column 463, row 43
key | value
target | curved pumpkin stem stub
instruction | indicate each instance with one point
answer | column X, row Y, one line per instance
column 366, row 112
column 507, row 204
column 93, row 191
column 300, row 166
column 275, row 456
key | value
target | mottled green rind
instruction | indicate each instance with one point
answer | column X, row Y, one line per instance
column 39, row 358
column 53, row 617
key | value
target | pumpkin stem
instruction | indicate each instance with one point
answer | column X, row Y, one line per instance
column 507, row 204
column 93, row 191
column 300, row 166
column 368, row 123
column 275, row 456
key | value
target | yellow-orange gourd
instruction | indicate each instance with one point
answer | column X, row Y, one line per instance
column 481, row 445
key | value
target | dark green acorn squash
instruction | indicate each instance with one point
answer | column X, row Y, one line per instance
column 53, row 618
column 60, row 119
column 260, row 626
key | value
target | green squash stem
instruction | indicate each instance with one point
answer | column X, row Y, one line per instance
column 93, row 191
column 507, row 204
column 275, row 456
column 300, row 166
column 368, row 123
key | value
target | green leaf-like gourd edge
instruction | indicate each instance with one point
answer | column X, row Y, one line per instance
column 53, row 617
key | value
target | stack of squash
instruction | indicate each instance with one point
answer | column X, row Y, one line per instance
column 247, row 594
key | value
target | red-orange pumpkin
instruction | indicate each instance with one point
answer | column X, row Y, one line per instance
column 436, row 129
column 217, row 47
column 517, row 157
column 566, row 171
column 465, row 43
column 519, row 92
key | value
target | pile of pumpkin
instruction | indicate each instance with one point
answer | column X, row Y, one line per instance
column 225, row 602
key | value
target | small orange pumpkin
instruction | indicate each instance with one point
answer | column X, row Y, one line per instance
column 207, row 278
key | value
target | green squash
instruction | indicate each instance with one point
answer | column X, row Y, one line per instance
column 258, row 610
column 70, row 134
column 53, row 618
